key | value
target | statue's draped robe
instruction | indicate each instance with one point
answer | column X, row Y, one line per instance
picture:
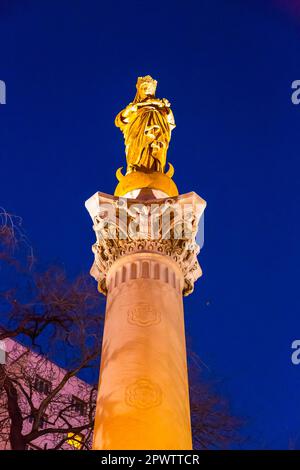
column 147, row 134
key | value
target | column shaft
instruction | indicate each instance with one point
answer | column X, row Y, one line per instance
column 143, row 399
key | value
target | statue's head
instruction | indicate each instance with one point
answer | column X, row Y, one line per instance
column 146, row 86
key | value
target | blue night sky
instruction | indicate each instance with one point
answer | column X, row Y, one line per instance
column 227, row 68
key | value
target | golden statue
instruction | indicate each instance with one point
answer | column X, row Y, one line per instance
column 146, row 123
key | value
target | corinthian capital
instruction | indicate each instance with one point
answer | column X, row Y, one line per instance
column 167, row 227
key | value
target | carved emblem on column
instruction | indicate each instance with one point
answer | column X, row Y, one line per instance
column 143, row 314
column 143, row 394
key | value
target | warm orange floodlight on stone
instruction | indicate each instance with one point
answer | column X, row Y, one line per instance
column 152, row 180
column 145, row 260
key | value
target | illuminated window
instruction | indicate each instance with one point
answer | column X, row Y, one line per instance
column 75, row 440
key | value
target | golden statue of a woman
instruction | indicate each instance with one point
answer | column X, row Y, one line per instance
column 146, row 123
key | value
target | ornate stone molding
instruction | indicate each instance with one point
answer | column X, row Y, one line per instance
column 144, row 266
column 165, row 226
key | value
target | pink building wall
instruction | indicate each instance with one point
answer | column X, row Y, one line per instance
column 34, row 371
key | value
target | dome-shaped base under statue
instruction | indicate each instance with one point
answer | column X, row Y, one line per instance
column 151, row 180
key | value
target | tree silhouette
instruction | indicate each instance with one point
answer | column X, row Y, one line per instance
column 58, row 324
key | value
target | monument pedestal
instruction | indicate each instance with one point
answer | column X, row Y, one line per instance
column 145, row 259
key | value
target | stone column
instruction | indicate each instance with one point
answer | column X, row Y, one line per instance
column 143, row 397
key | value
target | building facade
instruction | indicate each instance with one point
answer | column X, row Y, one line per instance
column 57, row 410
